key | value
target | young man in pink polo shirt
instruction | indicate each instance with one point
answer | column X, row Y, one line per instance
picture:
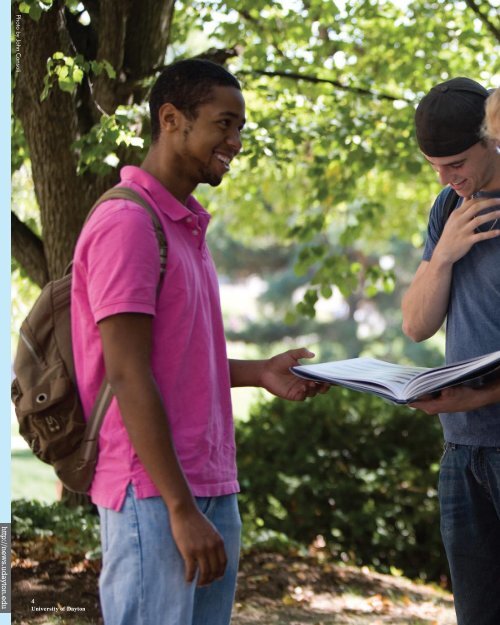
column 166, row 481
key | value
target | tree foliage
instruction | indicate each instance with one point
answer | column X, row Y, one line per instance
column 329, row 161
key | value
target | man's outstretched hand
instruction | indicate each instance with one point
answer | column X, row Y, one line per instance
column 277, row 378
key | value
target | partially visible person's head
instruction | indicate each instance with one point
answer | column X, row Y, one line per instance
column 491, row 128
column 187, row 85
column 448, row 123
column 448, row 119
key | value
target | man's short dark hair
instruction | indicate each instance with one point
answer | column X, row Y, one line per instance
column 187, row 84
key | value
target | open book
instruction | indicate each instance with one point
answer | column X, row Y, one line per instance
column 400, row 384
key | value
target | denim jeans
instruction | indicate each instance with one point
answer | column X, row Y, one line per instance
column 469, row 496
column 142, row 579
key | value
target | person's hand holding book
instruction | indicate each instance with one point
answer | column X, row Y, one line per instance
column 459, row 398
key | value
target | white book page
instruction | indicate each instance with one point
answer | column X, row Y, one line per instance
column 366, row 373
column 442, row 376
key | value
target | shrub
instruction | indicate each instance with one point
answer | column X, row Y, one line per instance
column 358, row 471
column 74, row 531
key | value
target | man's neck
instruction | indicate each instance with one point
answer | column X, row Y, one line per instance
column 165, row 172
column 492, row 184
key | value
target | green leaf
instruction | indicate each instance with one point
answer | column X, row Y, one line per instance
column 66, row 84
column 35, row 11
column 62, row 72
column 326, row 291
column 77, row 75
column 109, row 69
column 45, row 92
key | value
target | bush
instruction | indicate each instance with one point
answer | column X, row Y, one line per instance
column 358, row 471
column 75, row 531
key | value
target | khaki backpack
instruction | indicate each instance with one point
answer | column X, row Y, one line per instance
column 44, row 391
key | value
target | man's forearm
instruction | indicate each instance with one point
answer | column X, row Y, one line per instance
column 246, row 372
column 460, row 399
column 491, row 393
column 144, row 418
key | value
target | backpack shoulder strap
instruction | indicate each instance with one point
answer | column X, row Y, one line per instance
column 450, row 203
column 126, row 193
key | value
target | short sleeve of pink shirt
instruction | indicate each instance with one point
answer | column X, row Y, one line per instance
column 122, row 261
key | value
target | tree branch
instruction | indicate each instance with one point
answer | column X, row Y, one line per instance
column 111, row 47
column 27, row 249
column 316, row 80
column 148, row 31
column 495, row 30
column 219, row 55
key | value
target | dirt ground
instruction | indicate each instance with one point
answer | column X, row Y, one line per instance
column 273, row 589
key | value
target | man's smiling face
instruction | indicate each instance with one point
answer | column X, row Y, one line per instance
column 467, row 172
column 212, row 139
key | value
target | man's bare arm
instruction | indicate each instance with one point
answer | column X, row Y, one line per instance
column 425, row 304
column 127, row 341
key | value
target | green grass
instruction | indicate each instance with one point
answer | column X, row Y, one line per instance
column 31, row 478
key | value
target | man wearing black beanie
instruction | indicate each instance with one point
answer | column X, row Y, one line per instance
column 459, row 280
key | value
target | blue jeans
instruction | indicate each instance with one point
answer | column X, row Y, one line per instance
column 469, row 496
column 142, row 578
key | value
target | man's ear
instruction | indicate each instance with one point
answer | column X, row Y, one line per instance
column 169, row 117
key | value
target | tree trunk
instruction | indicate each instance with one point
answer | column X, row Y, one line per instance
column 59, row 191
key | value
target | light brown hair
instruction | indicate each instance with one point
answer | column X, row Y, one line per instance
column 491, row 125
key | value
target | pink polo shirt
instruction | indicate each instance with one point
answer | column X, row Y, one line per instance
column 116, row 270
